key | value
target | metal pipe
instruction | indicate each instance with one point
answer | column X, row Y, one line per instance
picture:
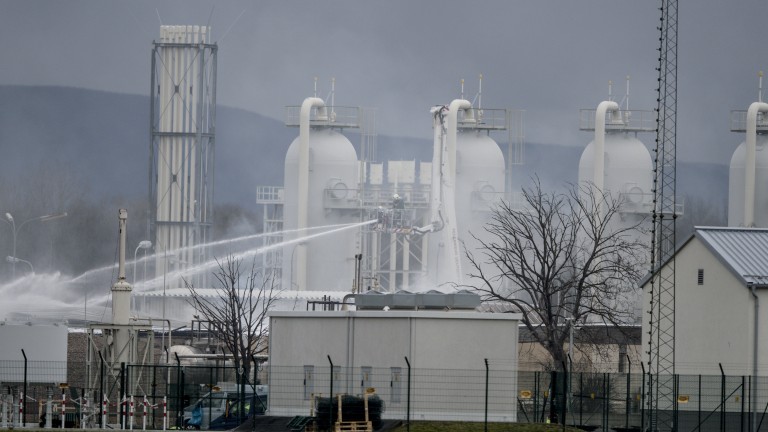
column 751, row 161
column 451, row 122
column 598, row 174
column 303, row 187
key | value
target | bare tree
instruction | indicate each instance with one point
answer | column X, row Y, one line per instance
column 237, row 310
column 560, row 261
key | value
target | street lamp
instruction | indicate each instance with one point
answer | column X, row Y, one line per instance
column 44, row 218
column 14, row 260
column 144, row 244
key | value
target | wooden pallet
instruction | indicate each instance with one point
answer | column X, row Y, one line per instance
column 361, row 426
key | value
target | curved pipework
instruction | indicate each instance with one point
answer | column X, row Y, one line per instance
column 451, row 122
column 750, row 161
column 303, row 187
column 598, row 175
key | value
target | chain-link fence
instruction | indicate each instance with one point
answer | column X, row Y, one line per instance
column 219, row 397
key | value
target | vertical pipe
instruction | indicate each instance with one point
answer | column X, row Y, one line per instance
column 598, row 175
column 303, row 186
column 750, row 161
column 642, row 399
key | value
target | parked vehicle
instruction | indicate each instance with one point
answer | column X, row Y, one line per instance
column 215, row 409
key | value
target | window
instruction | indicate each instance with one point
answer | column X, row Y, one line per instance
column 700, row 277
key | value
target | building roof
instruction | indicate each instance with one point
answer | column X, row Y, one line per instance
column 744, row 251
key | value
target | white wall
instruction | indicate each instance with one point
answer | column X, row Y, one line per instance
column 446, row 350
column 41, row 343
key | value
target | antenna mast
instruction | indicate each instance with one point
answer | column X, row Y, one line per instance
column 661, row 350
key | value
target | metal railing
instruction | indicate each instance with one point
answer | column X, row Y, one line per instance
column 629, row 121
column 739, row 121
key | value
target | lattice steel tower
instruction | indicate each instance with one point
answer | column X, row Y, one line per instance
column 661, row 349
column 182, row 138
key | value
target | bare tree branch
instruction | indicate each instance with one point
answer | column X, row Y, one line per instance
column 560, row 260
column 237, row 309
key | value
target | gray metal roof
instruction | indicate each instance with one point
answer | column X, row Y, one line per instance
column 743, row 250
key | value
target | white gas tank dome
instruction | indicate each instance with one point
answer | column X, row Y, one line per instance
column 628, row 166
column 480, row 167
column 736, row 186
column 333, row 171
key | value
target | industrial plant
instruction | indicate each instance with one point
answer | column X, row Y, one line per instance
column 363, row 276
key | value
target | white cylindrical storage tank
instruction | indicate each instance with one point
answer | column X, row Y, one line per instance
column 480, row 175
column 736, row 186
column 333, row 175
column 627, row 175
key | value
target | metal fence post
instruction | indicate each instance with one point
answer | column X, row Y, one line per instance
column 642, row 399
column 722, row 398
column 24, row 401
column 581, row 398
column 179, row 397
column 629, row 393
column 408, row 398
column 743, row 382
column 330, row 398
column 485, row 428
column 699, row 414
column 122, row 392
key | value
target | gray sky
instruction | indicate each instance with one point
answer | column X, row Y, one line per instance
column 548, row 57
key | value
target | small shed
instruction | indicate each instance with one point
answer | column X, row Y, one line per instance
column 445, row 358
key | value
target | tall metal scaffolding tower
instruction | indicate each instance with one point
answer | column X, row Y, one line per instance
column 182, row 142
column 661, row 349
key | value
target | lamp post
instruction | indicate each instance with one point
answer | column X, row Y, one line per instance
column 44, row 218
column 144, row 244
column 14, row 260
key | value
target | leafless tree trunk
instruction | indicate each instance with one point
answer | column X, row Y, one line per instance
column 561, row 262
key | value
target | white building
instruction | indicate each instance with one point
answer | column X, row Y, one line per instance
column 446, row 353
column 721, row 276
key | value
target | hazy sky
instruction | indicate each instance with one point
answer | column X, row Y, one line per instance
column 548, row 57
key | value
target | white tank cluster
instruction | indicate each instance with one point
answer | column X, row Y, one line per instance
column 748, row 204
column 418, row 243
